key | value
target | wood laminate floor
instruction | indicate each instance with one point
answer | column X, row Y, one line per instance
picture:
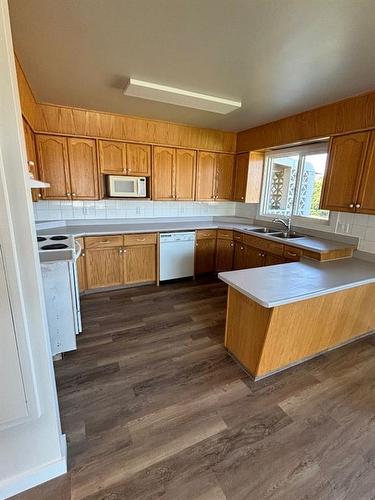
column 154, row 408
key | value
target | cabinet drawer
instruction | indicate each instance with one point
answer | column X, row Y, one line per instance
column 140, row 239
column 268, row 246
column 103, row 241
column 237, row 236
column 292, row 253
column 224, row 234
column 206, row 234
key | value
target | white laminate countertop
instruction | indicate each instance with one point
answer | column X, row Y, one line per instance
column 305, row 242
column 287, row 283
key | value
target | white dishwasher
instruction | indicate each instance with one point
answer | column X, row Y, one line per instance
column 177, row 255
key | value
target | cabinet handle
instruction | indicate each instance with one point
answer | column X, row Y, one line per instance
column 104, row 241
column 358, row 205
column 31, row 163
column 351, row 205
column 291, row 254
column 140, row 239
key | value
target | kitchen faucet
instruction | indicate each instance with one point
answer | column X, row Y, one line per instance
column 287, row 223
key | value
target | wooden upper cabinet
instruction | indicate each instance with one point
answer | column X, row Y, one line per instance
column 83, row 169
column 138, row 159
column 163, row 173
column 32, row 163
column 248, row 177
column 206, row 170
column 345, row 166
column 53, row 166
column 240, row 183
column 365, row 202
column 185, row 174
column 224, row 176
column 112, row 157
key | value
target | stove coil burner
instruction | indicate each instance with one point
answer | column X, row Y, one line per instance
column 55, row 246
column 41, row 238
column 57, row 238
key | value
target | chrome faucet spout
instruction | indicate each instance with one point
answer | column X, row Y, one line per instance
column 287, row 223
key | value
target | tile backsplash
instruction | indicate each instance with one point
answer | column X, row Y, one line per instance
column 123, row 209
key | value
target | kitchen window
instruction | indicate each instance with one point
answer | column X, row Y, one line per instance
column 292, row 184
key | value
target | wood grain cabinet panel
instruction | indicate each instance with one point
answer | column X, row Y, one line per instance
column 206, row 170
column 271, row 260
column 224, row 255
column 241, row 171
column 254, row 257
column 163, row 173
column 139, row 264
column 365, row 202
column 205, row 250
column 104, row 267
column 138, row 159
column 345, row 166
column 104, row 241
column 224, row 173
column 239, row 258
column 81, row 267
column 32, row 162
column 54, row 166
column 83, row 169
column 184, row 177
column 112, row 157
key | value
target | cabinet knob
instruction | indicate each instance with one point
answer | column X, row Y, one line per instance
column 351, row 205
column 242, row 197
column 231, row 244
column 120, row 250
column 129, row 169
column 30, row 163
column 358, row 205
column 83, row 254
column 39, row 195
column 73, row 194
column 241, row 248
column 67, row 194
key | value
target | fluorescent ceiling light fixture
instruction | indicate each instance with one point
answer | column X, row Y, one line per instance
column 180, row 97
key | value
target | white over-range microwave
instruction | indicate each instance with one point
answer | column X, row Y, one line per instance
column 123, row 186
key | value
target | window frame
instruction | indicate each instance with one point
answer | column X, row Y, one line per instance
column 297, row 220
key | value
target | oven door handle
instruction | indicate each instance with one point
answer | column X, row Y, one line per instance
column 78, row 249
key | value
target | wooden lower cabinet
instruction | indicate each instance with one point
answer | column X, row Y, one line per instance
column 224, row 255
column 111, row 261
column 239, row 261
column 139, row 264
column 272, row 260
column 81, row 267
column 205, row 250
column 104, row 267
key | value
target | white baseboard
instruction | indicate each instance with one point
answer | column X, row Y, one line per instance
column 34, row 477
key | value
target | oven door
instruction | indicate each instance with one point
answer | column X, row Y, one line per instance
column 122, row 186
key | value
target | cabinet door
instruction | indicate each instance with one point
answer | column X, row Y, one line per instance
column 32, row 163
column 205, row 256
column 104, row 267
column 83, row 169
column 206, row 170
column 366, row 198
column 224, row 255
column 185, row 174
column 112, row 157
column 253, row 257
column 53, row 166
column 139, row 264
column 239, row 261
column 163, row 173
column 271, row 260
column 224, row 176
column 138, row 159
column 345, row 165
column 240, row 183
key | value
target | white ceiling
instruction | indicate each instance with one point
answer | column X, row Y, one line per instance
column 278, row 57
